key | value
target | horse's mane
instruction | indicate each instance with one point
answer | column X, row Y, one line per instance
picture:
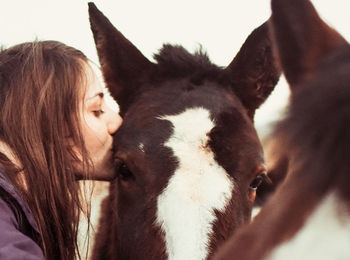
column 175, row 62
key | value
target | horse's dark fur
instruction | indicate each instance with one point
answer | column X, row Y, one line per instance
column 314, row 135
column 177, row 82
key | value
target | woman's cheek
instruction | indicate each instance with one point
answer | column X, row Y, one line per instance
column 94, row 134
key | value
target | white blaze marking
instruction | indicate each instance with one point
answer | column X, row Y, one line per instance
column 198, row 187
column 325, row 235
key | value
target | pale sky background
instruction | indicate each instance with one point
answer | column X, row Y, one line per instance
column 220, row 26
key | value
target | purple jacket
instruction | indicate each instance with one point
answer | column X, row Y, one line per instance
column 19, row 235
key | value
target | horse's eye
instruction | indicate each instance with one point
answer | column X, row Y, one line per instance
column 257, row 181
column 124, row 173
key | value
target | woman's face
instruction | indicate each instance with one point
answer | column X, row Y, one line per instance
column 98, row 123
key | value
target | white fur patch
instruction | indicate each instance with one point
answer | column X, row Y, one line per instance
column 142, row 147
column 325, row 235
column 198, row 187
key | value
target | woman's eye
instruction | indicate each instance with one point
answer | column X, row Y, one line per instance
column 257, row 181
column 98, row 113
column 124, row 173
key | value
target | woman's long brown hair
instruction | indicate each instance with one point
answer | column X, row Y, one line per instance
column 41, row 85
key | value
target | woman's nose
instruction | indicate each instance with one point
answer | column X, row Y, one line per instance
column 114, row 121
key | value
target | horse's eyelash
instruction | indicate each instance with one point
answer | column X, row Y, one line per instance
column 266, row 179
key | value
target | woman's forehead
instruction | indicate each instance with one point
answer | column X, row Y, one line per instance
column 93, row 84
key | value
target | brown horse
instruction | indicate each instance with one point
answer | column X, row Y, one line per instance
column 187, row 156
column 309, row 215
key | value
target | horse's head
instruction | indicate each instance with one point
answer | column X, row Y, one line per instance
column 188, row 157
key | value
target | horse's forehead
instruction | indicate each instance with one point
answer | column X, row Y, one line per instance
column 173, row 97
column 190, row 116
column 151, row 129
column 156, row 113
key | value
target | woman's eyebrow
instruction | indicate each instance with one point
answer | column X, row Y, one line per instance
column 99, row 94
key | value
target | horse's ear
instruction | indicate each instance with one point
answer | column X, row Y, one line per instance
column 254, row 71
column 123, row 65
column 301, row 38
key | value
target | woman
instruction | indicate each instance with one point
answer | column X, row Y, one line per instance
column 55, row 128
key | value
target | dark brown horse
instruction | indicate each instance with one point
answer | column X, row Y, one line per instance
column 188, row 157
column 309, row 215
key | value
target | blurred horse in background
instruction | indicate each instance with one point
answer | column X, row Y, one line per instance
column 309, row 215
